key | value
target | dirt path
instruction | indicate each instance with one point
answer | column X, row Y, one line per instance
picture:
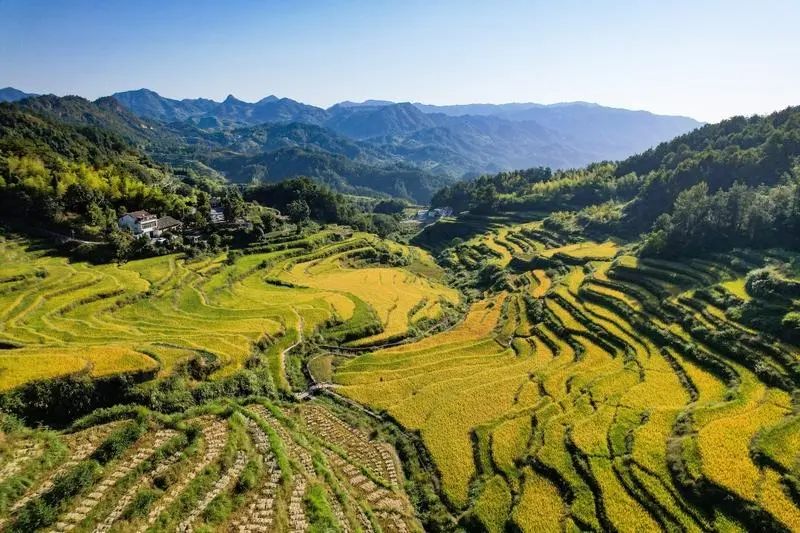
column 285, row 351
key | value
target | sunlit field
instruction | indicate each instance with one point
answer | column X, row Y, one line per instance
column 597, row 395
column 147, row 316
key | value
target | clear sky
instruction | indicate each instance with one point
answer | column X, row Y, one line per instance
column 708, row 59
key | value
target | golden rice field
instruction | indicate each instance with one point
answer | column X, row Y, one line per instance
column 585, row 250
column 609, row 406
column 392, row 293
column 58, row 317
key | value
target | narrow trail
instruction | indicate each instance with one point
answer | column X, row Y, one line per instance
column 298, row 342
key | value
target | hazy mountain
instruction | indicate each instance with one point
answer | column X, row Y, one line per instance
column 455, row 140
column 336, row 170
column 10, row 94
column 268, row 137
column 598, row 131
column 366, row 121
column 486, row 143
column 365, row 103
column 476, row 109
column 605, row 132
column 150, row 104
column 457, row 145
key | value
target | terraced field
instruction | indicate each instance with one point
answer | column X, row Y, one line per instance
column 149, row 317
column 586, row 389
column 252, row 466
column 400, row 292
column 601, row 393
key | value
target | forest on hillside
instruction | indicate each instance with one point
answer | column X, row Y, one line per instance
column 732, row 184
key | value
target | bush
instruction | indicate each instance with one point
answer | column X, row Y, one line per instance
column 790, row 324
column 389, row 207
column 320, row 514
column 233, row 256
column 44, row 511
column 768, row 283
column 119, row 441
column 141, row 503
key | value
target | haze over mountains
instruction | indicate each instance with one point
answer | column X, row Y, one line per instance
column 559, row 135
column 402, row 149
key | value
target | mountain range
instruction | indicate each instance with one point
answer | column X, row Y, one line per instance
column 559, row 135
column 405, row 149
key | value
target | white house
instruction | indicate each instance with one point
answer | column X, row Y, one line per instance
column 139, row 222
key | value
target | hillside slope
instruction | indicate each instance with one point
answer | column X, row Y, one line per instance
column 289, row 149
column 722, row 185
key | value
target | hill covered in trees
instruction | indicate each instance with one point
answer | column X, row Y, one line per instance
column 71, row 168
column 56, row 170
column 269, row 152
column 723, row 185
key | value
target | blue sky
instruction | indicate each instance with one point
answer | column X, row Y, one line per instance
column 704, row 58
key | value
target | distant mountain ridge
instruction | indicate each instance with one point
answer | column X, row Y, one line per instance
column 149, row 104
column 478, row 138
column 10, row 94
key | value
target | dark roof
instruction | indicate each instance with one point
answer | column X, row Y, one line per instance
column 167, row 223
column 140, row 215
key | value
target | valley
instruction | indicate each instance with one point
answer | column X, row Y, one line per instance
column 395, row 317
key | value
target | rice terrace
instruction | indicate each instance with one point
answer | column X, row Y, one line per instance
column 394, row 310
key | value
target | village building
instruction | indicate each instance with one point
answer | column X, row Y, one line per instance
column 439, row 212
column 139, row 222
column 142, row 223
column 216, row 215
column 167, row 224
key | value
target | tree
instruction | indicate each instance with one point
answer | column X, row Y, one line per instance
column 389, row 207
column 486, row 198
column 233, row 256
column 78, row 197
column 299, row 213
column 232, row 204
column 269, row 220
column 121, row 243
column 96, row 215
column 215, row 241
column 260, row 234
column 384, row 224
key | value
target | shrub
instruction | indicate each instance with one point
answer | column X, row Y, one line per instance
column 118, row 442
column 320, row 515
